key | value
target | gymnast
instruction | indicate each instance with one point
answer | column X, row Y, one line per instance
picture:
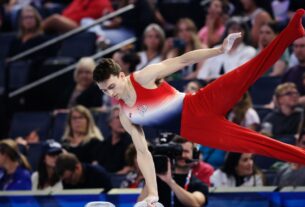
column 200, row 117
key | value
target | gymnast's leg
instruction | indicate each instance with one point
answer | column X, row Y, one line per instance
column 222, row 94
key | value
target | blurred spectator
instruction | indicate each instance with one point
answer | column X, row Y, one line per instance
column 134, row 178
column 280, row 12
column 116, row 145
column 71, row 16
column 285, row 119
column 267, row 33
column 292, row 174
column 85, row 92
column 212, row 32
column 45, row 178
column 181, row 188
column 240, row 53
column 127, row 59
column 238, row 170
column 244, row 114
column 295, row 74
column 30, row 34
column 13, row 7
column 14, row 167
column 192, row 86
column 77, row 175
column 153, row 42
column 186, row 40
column 81, row 135
column 257, row 17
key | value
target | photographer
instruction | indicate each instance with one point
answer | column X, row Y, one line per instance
column 180, row 188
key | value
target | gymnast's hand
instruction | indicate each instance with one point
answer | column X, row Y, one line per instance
column 150, row 201
column 229, row 41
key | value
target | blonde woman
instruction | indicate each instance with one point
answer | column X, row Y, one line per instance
column 84, row 92
column 186, row 40
column 153, row 42
column 81, row 135
column 14, row 167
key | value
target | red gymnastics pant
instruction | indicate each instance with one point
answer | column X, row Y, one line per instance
column 203, row 116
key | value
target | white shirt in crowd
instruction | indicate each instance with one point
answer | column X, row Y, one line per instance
column 57, row 187
column 221, row 179
column 144, row 60
column 211, row 67
column 251, row 117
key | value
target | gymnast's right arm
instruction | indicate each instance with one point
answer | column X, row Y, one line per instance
column 144, row 157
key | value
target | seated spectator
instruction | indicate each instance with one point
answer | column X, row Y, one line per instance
column 240, row 53
column 77, row 175
column 127, row 59
column 192, row 86
column 237, row 170
column 153, row 41
column 244, row 114
column 30, row 34
column 280, row 12
column 186, row 40
column 45, row 178
column 292, row 174
column 81, row 135
column 257, row 17
column 267, row 33
column 115, row 145
column 14, row 168
column 213, row 30
column 134, row 178
column 85, row 92
column 285, row 119
column 71, row 16
column 295, row 74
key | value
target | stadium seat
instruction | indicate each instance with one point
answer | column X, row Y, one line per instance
column 34, row 154
column 24, row 122
column 262, row 90
column 102, row 123
column 58, row 126
column 19, row 73
column 78, row 46
column 5, row 42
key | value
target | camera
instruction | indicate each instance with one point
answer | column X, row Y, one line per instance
column 179, row 44
column 164, row 151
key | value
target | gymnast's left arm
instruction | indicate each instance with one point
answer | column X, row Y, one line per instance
column 169, row 66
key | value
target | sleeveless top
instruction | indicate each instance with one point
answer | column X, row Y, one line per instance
column 160, row 107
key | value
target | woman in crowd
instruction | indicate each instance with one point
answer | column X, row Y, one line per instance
column 84, row 92
column 186, row 40
column 45, row 178
column 81, row 135
column 153, row 42
column 237, row 170
column 244, row 114
column 211, row 33
column 14, row 168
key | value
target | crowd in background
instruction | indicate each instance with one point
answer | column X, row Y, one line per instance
column 84, row 157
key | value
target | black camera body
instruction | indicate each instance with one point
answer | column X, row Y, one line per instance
column 162, row 152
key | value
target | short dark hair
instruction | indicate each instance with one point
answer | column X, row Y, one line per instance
column 105, row 68
column 66, row 161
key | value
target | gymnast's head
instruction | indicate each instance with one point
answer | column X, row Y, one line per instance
column 109, row 78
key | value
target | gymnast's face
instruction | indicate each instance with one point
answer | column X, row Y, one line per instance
column 114, row 86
